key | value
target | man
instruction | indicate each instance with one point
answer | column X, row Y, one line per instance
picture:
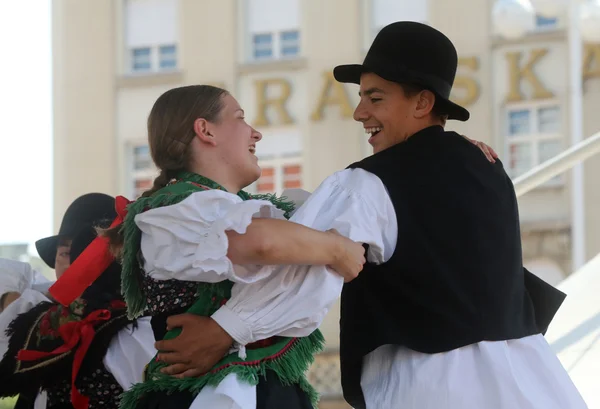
column 444, row 315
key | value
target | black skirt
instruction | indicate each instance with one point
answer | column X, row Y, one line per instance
column 270, row 394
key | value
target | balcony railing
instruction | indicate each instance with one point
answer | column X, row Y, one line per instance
column 555, row 166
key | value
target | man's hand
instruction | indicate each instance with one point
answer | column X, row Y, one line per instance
column 489, row 153
column 201, row 344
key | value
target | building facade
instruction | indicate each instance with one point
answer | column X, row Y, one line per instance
column 112, row 59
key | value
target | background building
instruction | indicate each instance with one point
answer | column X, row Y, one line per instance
column 113, row 58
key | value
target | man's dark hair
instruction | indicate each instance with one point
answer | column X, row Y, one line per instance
column 410, row 90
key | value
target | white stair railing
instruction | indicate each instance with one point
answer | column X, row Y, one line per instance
column 557, row 165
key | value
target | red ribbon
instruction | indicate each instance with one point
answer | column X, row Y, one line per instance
column 73, row 333
column 90, row 264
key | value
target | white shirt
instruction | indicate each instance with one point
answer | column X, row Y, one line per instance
column 292, row 300
column 128, row 353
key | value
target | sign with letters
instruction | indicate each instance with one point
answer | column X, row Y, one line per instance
column 272, row 94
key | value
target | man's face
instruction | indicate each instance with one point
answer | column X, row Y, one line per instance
column 63, row 257
column 387, row 114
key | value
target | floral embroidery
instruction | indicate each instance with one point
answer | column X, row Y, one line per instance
column 58, row 315
column 167, row 295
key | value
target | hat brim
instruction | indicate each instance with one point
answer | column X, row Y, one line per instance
column 46, row 249
column 351, row 73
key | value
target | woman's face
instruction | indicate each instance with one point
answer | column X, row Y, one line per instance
column 237, row 142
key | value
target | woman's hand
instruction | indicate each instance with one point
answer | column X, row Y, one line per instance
column 489, row 153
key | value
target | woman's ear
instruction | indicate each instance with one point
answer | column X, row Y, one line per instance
column 203, row 131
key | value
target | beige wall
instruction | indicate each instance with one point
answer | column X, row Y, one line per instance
column 84, row 115
column 471, row 42
column 333, row 37
column 208, row 41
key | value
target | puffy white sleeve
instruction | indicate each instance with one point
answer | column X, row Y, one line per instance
column 16, row 276
column 293, row 300
column 187, row 241
column 28, row 299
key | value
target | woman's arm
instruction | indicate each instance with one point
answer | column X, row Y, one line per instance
column 275, row 241
column 187, row 241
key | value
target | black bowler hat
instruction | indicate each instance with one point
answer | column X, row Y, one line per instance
column 411, row 53
column 85, row 211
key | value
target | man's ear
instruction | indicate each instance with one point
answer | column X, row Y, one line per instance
column 425, row 103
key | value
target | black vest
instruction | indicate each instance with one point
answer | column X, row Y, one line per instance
column 456, row 276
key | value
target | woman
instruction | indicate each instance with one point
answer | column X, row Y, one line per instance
column 201, row 143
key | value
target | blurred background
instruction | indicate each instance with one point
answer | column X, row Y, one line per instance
column 79, row 77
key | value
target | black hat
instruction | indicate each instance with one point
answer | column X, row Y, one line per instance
column 85, row 211
column 411, row 53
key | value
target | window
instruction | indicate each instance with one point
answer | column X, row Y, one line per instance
column 154, row 59
column 290, row 43
column 292, row 176
column 150, row 33
column 286, row 46
column 384, row 12
column 262, row 46
column 266, row 183
column 141, row 59
column 545, row 24
column 141, row 157
column 533, row 137
column 142, row 185
column 167, row 57
column 142, row 170
column 273, row 29
column 278, row 175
